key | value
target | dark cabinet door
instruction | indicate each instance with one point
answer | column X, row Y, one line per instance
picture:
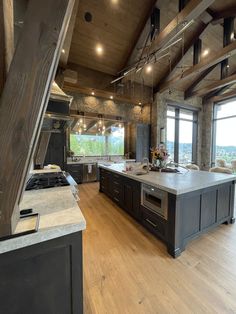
column 128, row 196
column 132, row 194
column 76, row 171
column 208, row 209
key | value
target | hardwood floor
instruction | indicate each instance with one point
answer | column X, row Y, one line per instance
column 127, row 270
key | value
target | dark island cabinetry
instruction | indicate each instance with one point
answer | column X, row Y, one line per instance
column 124, row 191
column 188, row 215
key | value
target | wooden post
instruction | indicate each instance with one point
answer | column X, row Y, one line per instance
column 25, row 97
column 6, row 39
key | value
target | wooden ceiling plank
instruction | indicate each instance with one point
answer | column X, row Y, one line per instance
column 204, row 64
column 190, row 89
column 67, row 42
column 190, row 12
column 7, row 39
column 178, row 57
column 219, row 84
column 25, row 97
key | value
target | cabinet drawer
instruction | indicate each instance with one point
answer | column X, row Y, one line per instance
column 154, row 223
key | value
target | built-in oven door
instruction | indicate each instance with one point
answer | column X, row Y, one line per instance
column 155, row 200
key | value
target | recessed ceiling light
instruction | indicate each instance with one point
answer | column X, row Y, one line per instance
column 93, row 93
column 205, row 52
column 63, row 51
column 148, row 68
column 111, row 97
column 99, row 49
column 140, row 103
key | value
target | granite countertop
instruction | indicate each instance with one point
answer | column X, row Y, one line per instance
column 176, row 183
column 59, row 215
column 98, row 161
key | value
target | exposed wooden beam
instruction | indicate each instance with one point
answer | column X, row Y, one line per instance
column 222, row 97
column 91, row 125
column 205, row 63
column 178, row 57
column 6, row 39
column 100, row 93
column 189, row 90
column 67, row 43
column 25, row 97
column 213, row 86
column 190, row 12
column 218, row 17
column 140, row 28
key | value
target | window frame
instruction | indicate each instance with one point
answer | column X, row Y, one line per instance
column 214, row 120
column 194, row 111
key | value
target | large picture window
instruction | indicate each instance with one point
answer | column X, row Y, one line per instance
column 182, row 134
column 224, row 130
column 93, row 138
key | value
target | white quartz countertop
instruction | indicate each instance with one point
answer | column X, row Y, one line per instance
column 98, row 161
column 176, row 183
column 59, row 215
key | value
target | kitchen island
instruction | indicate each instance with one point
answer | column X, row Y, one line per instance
column 42, row 272
column 176, row 207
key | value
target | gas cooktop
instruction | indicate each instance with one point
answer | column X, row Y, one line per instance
column 46, row 180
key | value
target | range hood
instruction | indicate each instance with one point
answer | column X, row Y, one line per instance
column 57, row 117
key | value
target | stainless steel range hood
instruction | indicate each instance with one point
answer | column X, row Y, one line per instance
column 57, row 118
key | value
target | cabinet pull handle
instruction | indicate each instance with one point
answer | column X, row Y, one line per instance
column 151, row 223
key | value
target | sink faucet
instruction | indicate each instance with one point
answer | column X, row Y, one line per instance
column 147, row 161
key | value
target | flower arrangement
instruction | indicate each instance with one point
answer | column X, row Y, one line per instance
column 159, row 153
column 159, row 156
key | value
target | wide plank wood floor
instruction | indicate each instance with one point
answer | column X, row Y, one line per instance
column 127, row 270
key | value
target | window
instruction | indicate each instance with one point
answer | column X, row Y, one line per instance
column 93, row 138
column 182, row 134
column 224, row 129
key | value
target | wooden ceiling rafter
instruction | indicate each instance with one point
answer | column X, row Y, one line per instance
column 218, row 17
column 177, row 59
column 67, row 42
column 215, row 85
column 191, row 11
column 188, row 92
column 204, row 64
column 222, row 97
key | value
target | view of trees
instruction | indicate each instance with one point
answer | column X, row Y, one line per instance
column 96, row 145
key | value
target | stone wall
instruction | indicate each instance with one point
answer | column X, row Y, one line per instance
column 128, row 112
column 159, row 111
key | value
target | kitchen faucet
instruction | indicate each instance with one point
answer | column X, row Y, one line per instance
column 147, row 160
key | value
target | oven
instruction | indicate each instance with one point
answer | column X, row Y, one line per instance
column 155, row 200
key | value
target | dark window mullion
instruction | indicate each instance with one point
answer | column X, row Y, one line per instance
column 176, row 144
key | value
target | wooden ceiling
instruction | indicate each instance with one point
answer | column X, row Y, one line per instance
column 118, row 26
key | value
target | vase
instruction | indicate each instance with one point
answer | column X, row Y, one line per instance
column 158, row 163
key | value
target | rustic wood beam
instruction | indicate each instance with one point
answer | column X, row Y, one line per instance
column 25, row 97
column 190, row 12
column 207, row 62
column 140, row 28
column 67, row 42
column 6, row 39
column 178, row 57
column 190, row 89
column 222, row 97
column 91, row 125
column 218, row 17
column 213, row 86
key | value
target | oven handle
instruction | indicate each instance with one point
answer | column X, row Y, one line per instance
column 151, row 223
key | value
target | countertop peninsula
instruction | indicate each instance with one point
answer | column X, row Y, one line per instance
column 59, row 215
column 176, row 183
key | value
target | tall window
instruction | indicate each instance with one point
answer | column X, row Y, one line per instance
column 182, row 134
column 224, row 130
